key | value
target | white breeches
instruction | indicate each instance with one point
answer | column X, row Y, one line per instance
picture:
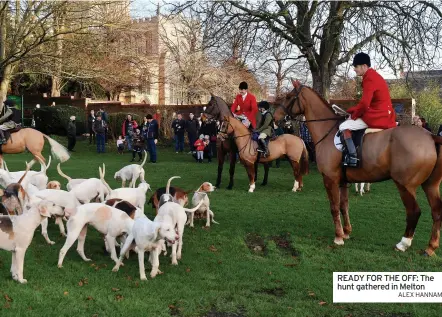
column 262, row 136
column 353, row 125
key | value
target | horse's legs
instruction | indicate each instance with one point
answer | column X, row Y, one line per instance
column 250, row 172
column 297, row 175
column 232, row 169
column 343, row 201
column 408, row 196
column 221, row 157
column 433, row 197
column 266, row 174
column 333, row 194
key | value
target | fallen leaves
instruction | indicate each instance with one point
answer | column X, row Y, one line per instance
column 8, row 299
column 83, row 282
column 89, row 298
column 188, row 270
column 322, row 303
column 119, row 297
column 114, row 289
column 65, row 293
column 290, row 264
column 213, row 249
column 311, row 294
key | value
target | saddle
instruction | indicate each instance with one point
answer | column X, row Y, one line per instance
column 7, row 133
column 358, row 139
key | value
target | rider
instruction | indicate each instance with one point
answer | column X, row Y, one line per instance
column 375, row 109
column 5, row 119
column 265, row 126
column 245, row 104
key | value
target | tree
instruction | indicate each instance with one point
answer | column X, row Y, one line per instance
column 328, row 34
column 34, row 36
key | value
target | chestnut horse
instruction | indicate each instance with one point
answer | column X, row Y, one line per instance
column 33, row 140
column 286, row 144
column 405, row 154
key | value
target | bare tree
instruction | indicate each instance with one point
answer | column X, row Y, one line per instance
column 328, row 34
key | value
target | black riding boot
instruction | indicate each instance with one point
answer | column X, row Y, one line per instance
column 351, row 159
column 2, row 137
column 263, row 144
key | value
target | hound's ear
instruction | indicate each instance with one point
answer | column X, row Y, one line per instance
column 44, row 211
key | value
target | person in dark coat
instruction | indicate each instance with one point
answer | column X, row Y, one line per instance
column 178, row 126
column 91, row 121
column 150, row 134
column 192, row 127
column 72, row 134
column 210, row 128
column 104, row 117
column 100, row 130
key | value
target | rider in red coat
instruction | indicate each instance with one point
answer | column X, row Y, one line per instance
column 375, row 109
column 245, row 103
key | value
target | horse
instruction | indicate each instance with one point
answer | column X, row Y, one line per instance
column 224, row 146
column 286, row 144
column 33, row 140
column 389, row 154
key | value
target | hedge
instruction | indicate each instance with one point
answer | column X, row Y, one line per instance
column 54, row 120
column 116, row 120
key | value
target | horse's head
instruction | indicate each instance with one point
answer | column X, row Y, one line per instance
column 217, row 108
column 287, row 106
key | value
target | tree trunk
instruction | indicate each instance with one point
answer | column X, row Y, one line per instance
column 6, row 75
column 322, row 83
column 56, row 86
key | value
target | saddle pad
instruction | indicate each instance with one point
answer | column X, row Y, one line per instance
column 337, row 141
column 370, row 130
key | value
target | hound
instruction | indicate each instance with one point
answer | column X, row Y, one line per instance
column 16, row 233
column 131, row 173
column 177, row 194
column 136, row 196
column 109, row 221
column 71, row 182
column 201, row 196
column 38, row 179
column 362, row 185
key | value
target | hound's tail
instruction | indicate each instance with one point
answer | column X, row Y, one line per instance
column 58, row 150
column 194, row 208
column 62, row 174
column 144, row 161
column 102, row 173
column 168, row 183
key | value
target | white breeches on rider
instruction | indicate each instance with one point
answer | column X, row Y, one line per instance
column 262, row 136
column 353, row 125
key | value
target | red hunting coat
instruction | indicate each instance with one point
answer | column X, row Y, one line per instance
column 248, row 107
column 375, row 107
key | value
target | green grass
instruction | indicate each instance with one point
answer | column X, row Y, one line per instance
column 219, row 275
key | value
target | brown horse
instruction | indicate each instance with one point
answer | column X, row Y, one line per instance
column 33, row 140
column 406, row 154
column 286, row 144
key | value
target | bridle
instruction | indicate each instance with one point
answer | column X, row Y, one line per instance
column 289, row 110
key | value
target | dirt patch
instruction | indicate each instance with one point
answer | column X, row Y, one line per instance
column 284, row 244
column 277, row 291
column 256, row 244
column 215, row 313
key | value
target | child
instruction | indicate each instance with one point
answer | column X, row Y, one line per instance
column 120, row 144
column 199, row 146
column 138, row 145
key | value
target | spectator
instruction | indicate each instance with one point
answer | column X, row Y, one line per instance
column 192, row 127
column 105, row 119
column 138, row 145
column 210, row 128
column 306, row 137
column 128, row 130
column 72, row 134
column 178, row 126
column 120, row 144
column 200, row 144
column 91, row 121
column 150, row 132
column 100, row 130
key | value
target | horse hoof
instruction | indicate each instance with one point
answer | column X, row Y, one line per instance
column 427, row 254
column 346, row 236
column 339, row 241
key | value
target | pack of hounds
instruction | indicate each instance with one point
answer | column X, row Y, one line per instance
column 29, row 199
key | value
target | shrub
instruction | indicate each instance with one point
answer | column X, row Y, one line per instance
column 54, row 120
column 429, row 105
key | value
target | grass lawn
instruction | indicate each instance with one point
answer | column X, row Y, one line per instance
column 271, row 255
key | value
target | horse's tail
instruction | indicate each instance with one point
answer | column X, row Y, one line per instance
column 62, row 174
column 304, row 160
column 58, row 150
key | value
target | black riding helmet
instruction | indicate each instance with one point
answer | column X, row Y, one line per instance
column 264, row 104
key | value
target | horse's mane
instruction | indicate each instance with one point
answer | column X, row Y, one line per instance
column 219, row 99
column 322, row 99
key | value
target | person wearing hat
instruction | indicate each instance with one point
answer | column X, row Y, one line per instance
column 6, row 122
column 374, row 110
column 245, row 104
column 265, row 128
column 72, row 134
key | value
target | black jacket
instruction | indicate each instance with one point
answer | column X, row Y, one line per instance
column 72, row 129
column 209, row 128
column 192, row 126
column 99, row 127
column 150, row 130
column 178, row 126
